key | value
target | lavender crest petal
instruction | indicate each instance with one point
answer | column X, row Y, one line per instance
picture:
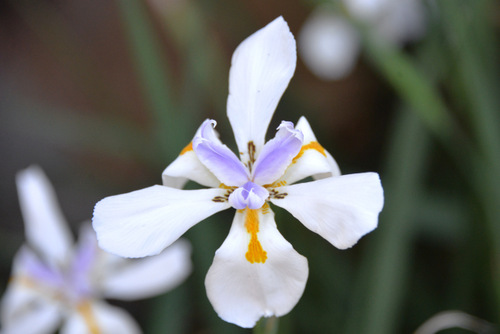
column 277, row 154
column 251, row 195
column 218, row 158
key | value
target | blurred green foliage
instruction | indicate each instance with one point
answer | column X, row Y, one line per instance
column 104, row 96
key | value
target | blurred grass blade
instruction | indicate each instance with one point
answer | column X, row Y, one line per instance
column 469, row 31
column 169, row 123
column 468, row 28
column 381, row 281
column 169, row 313
column 413, row 86
column 207, row 75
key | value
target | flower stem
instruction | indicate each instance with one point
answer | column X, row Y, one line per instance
column 267, row 326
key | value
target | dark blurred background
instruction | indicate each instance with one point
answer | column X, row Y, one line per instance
column 104, row 94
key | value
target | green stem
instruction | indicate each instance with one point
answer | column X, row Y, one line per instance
column 267, row 326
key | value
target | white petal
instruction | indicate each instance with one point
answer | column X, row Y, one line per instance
column 186, row 167
column 36, row 318
column 328, row 44
column 341, row 209
column 99, row 317
column 24, row 309
column 46, row 228
column 144, row 222
column 334, row 169
column 141, row 278
column 242, row 292
column 313, row 160
column 261, row 69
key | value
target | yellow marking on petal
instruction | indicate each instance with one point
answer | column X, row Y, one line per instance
column 39, row 287
column 265, row 208
column 85, row 309
column 189, row 147
column 275, row 184
column 24, row 281
column 314, row 145
column 223, row 186
column 255, row 252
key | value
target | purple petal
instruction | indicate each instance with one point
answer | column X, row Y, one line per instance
column 251, row 195
column 84, row 262
column 277, row 154
column 40, row 272
column 218, row 158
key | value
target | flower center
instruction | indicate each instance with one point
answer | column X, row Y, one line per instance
column 250, row 195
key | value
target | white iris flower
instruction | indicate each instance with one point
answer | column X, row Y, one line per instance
column 54, row 281
column 255, row 272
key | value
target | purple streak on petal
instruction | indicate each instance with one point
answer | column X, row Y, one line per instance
column 41, row 272
column 218, row 158
column 277, row 154
column 251, row 195
column 83, row 262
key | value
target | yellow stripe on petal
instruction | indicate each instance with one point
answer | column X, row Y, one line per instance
column 24, row 281
column 314, row 145
column 265, row 208
column 189, row 147
column 85, row 309
column 255, row 252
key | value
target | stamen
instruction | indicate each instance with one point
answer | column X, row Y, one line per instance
column 273, row 193
column 222, row 199
column 189, row 147
column 219, row 199
column 251, row 156
column 314, row 145
column 85, row 309
column 255, row 252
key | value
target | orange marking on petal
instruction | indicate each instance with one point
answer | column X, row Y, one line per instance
column 85, row 309
column 281, row 183
column 255, row 252
column 223, row 186
column 265, row 208
column 24, row 281
column 189, row 147
column 29, row 283
column 314, row 145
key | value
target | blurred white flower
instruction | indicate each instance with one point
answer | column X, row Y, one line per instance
column 55, row 282
column 329, row 44
column 255, row 272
